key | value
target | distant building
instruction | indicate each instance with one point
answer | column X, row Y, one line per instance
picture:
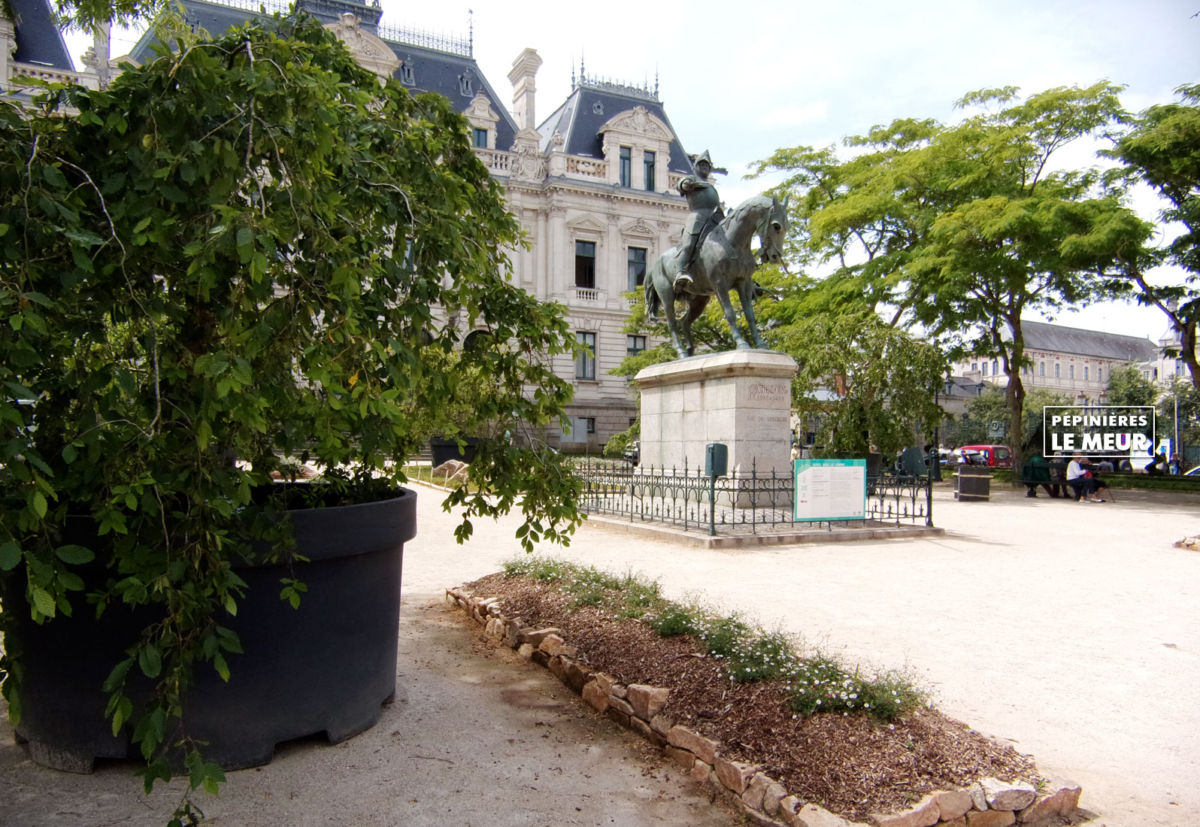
column 1069, row 361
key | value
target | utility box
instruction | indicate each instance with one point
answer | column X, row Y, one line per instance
column 974, row 482
column 716, row 459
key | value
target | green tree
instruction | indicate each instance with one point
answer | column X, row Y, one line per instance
column 884, row 380
column 964, row 229
column 1162, row 150
column 1180, row 405
column 991, row 406
column 1127, row 386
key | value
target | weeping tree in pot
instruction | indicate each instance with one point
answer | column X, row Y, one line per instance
column 238, row 257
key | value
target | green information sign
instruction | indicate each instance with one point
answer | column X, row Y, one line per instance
column 830, row 489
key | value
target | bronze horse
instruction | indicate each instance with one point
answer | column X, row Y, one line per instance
column 724, row 262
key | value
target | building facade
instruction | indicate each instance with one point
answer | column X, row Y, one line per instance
column 1072, row 362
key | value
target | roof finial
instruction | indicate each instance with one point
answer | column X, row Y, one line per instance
column 471, row 31
column 656, row 80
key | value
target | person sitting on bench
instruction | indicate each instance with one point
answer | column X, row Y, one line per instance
column 1080, row 479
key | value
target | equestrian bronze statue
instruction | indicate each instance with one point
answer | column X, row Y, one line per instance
column 721, row 261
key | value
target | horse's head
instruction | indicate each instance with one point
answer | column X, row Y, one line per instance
column 772, row 232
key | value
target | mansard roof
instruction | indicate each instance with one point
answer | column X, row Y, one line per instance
column 1096, row 343
column 430, row 64
column 590, row 106
column 38, row 39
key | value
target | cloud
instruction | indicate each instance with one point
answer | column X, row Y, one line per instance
column 795, row 115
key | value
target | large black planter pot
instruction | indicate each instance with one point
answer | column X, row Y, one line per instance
column 327, row 666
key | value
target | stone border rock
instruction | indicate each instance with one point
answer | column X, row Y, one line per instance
column 989, row 802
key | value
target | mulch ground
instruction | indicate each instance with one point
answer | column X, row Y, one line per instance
column 851, row 765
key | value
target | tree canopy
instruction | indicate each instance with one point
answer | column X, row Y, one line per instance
column 1162, row 150
column 962, row 229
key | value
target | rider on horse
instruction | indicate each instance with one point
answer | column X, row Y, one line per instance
column 705, row 204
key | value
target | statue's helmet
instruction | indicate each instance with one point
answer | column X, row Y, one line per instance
column 703, row 157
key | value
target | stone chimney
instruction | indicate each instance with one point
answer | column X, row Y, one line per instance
column 521, row 76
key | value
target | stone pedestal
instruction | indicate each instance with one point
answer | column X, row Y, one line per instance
column 741, row 398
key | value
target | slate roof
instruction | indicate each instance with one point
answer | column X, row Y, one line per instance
column 1060, row 339
column 38, row 40
column 436, row 65
column 589, row 106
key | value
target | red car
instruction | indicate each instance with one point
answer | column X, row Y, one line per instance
column 993, row 456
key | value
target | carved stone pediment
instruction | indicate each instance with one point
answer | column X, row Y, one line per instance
column 370, row 52
column 639, row 228
column 640, row 122
column 587, row 224
column 480, row 109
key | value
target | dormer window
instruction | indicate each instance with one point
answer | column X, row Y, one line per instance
column 405, row 74
column 465, row 84
column 597, row 108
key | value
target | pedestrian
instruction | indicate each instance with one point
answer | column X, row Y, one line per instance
column 1080, row 479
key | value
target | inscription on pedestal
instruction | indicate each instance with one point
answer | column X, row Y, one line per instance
column 740, row 398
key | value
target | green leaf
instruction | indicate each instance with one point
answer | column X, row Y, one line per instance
column 117, row 675
column 245, row 244
column 44, row 602
column 221, row 666
column 122, row 713
column 75, row 555
column 38, row 503
column 10, row 555
column 150, row 660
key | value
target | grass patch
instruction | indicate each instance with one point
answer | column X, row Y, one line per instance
column 816, row 683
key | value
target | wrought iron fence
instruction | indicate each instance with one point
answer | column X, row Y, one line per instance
column 754, row 503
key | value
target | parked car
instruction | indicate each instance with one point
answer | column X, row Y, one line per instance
column 993, row 456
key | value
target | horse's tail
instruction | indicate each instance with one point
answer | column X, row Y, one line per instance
column 653, row 302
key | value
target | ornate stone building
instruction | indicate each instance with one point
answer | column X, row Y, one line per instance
column 593, row 185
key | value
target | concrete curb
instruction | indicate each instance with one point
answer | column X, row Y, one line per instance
column 700, row 538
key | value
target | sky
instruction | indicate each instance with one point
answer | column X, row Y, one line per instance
column 743, row 79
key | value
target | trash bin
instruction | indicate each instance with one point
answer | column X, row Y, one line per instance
column 974, row 482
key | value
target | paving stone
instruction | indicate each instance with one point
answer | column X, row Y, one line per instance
column 552, row 644
column 536, row 636
column 953, row 803
column 1006, row 795
column 991, row 818
column 703, row 748
column 755, row 790
column 595, row 696
column 643, row 729
column 647, row 701
column 924, row 814
column 734, row 775
column 811, row 815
